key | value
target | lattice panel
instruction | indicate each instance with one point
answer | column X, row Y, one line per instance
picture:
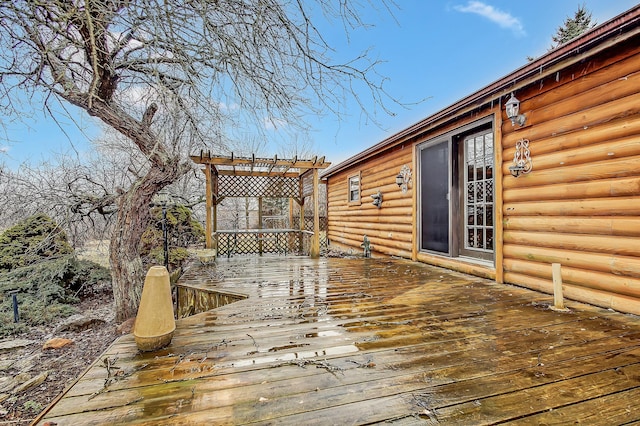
column 308, row 226
column 262, row 243
column 257, row 186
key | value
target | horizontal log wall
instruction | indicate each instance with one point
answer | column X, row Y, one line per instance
column 580, row 205
column 388, row 228
column 391, row 229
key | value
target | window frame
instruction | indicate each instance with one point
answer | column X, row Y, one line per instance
column 350, row 200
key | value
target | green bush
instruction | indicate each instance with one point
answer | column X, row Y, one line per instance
column 177, row 256
column 47, row 290
column 182, row 230
column 35, row 238
column 37, row 261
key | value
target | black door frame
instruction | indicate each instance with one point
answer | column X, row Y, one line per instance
column 453, row 173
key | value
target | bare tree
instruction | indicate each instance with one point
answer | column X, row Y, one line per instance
column 128, row 62
column 80, row 192
column 74, row 194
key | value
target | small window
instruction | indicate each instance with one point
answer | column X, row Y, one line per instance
column 354, row 189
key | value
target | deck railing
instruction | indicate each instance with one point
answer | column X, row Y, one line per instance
column 263, row 241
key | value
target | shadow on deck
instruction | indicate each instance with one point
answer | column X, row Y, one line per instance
column 355, row 341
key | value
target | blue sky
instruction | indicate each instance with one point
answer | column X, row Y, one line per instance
column 435, row 51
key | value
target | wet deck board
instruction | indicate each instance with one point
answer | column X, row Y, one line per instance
column 354, row 341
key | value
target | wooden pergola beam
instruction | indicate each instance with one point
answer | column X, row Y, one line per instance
column 257, row 173
column 265, row 162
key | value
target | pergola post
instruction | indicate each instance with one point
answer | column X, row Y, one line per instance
column 302, row 224
column 315, row 241
column 259, row 224
column 291, row 238
column 209, row 202
column 215, row 225
column 291, row 213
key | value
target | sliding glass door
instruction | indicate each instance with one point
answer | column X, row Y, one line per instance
column 456, row 193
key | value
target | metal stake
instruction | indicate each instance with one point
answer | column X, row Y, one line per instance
column 14, row 299
column 165, row 237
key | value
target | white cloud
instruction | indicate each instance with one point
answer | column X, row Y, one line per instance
column 4, row 149
column 503, row 19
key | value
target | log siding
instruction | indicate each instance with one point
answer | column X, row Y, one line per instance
column 580, row 205
column 389, row 228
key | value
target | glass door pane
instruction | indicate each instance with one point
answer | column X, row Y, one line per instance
column 477, row 234
column 434, row 197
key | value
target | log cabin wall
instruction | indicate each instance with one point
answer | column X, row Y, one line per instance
column 391, row 228
column 580, row 205
column 388, row 228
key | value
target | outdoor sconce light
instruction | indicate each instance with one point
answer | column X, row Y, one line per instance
column 377, row 199
column 512, row 107
column 404, row 178
column 521, row 159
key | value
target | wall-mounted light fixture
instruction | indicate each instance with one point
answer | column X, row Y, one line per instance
column 377, row 199
column 512, row 107
column 521, row 159
column 404, row 178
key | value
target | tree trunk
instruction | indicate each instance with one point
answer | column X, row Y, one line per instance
column 127, row 272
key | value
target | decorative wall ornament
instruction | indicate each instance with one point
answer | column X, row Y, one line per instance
column 521, row 159
column 404, row 178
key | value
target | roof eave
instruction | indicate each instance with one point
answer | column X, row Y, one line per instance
column 627, row 22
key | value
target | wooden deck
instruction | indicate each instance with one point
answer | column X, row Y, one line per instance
column 359, row 341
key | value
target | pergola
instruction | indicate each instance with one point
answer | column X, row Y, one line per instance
column 231, row 176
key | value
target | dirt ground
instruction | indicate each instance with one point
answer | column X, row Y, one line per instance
column 63, row 365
